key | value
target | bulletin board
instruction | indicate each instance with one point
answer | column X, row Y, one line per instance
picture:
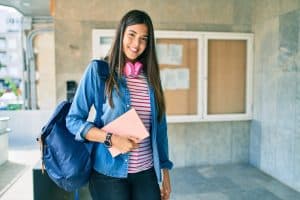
column 178, row 70
column 227, row 76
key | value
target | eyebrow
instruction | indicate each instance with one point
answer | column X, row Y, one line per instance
column 146, row 35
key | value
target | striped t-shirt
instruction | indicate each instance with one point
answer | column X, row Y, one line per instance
column 140, row 159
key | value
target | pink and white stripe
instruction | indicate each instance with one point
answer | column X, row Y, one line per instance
column 140, row 159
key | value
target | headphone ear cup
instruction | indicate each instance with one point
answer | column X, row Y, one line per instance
column 128, row 69
column 132, row 70
column 138, row 67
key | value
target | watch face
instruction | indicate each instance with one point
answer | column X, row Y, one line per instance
column 107, row 143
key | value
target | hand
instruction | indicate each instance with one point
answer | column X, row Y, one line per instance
column 165, row 191
column 124, row 144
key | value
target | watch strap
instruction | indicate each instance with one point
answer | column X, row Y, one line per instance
column 107, row 141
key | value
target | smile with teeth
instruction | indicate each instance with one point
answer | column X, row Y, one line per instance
column 133, row 49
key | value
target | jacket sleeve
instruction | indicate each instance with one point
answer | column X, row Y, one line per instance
column 76, row 120
column 163, row 146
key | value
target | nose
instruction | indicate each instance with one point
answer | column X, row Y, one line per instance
column 136, row 42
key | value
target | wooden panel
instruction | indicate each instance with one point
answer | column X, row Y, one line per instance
column 226, row 76
column 183, row 101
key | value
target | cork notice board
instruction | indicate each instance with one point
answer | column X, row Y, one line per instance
column 227, row 76
column 178, row 70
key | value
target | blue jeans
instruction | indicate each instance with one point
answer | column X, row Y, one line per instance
column 139, row 186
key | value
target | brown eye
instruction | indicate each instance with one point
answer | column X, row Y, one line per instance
column 131, row 35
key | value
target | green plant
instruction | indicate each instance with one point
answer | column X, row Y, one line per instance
column 2, row 65
column 11, row 86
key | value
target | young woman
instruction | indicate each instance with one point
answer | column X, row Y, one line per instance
column 133, row 81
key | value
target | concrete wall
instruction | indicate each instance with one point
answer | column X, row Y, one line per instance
column 3, row 139
column 190, row 143
column 25, row 127
column 45, row 64
column 275, row 135
column 75, row 20
column 193, row 144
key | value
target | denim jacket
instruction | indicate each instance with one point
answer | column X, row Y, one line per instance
column 87, row 95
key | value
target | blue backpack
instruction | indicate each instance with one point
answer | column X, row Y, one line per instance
column 68, row 162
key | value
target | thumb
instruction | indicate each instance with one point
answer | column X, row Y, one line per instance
column 134, row 139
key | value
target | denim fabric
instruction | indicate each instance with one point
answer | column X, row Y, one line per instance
column 88, row 94
column 138, row 186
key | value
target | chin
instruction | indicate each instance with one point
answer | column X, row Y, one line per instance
column 132, row 58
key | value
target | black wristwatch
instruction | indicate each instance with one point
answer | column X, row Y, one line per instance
column 107, row 141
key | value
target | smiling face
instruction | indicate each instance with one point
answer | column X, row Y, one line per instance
column 135, row 41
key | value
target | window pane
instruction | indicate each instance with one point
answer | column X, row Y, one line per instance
column 227, row 76
column 178, row 70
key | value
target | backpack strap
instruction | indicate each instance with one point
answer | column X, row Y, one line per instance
column 103, row 71
column 76, row 194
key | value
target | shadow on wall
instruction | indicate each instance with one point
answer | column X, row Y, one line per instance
column 289, row 41
column 255, row 143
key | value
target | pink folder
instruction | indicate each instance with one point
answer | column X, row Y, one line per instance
column 128, row 124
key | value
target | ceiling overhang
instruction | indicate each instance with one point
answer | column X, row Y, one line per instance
column 32, row 8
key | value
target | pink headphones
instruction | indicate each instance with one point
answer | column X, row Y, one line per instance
column 132, row 70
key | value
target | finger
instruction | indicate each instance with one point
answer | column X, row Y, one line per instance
column 133, row 144
column 129, row 146
column 162, row 193
column 167, row 195
column 124, row 151
column 134, row 139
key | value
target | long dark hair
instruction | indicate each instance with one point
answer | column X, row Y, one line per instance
column 116, row 58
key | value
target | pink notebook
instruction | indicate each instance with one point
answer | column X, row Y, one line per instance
column 128, row 124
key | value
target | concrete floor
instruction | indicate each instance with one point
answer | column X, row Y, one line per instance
column 228, row 182
column 219, row 182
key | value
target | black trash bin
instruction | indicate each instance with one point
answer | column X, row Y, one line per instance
column 45, row 189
